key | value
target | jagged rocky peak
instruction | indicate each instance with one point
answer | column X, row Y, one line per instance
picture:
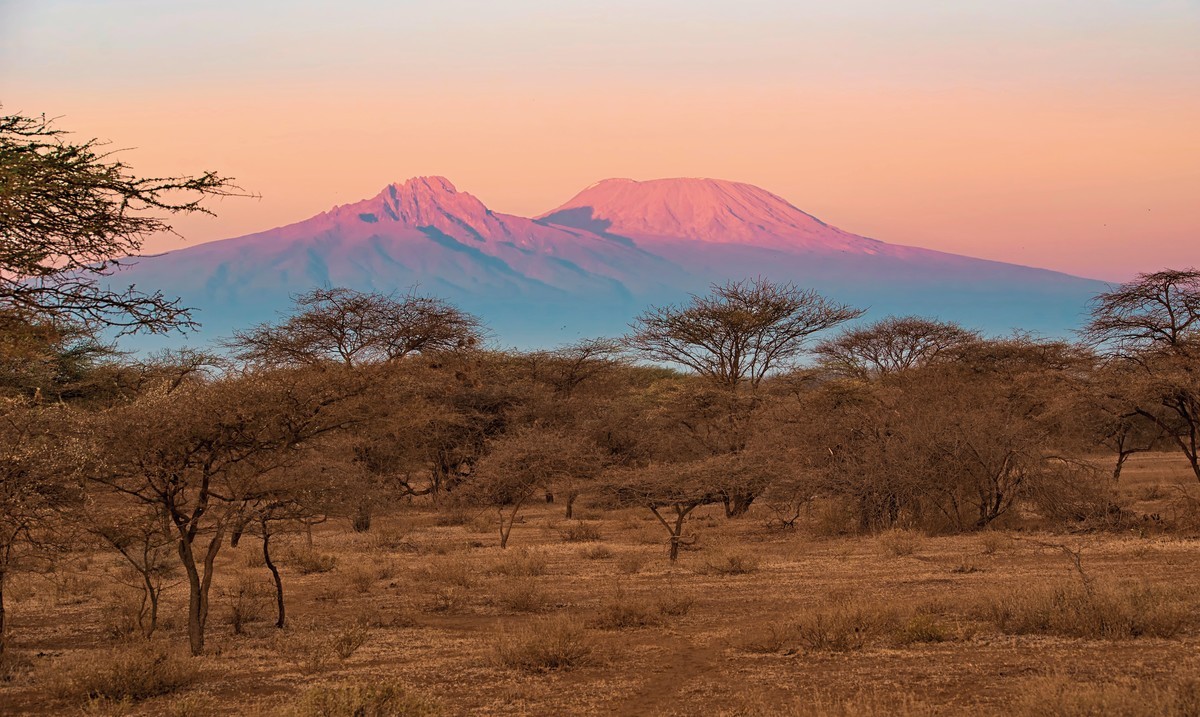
column 423, row 202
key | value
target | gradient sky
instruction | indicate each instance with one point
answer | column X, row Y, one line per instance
column 1054, row 133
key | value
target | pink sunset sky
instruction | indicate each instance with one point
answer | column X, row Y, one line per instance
column 1060, row 133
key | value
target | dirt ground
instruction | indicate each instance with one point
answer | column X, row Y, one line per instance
column 752, row 619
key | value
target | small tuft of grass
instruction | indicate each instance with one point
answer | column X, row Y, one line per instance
column 621, row 612
column 899, row 543
column 523, row 596
column 597, row 552
column 728, row 563
column 520, row 564
column 308, row 562
column 631, row 563
column 920, row 629
column 546, row 645
column 362, row 699
column 581, row 532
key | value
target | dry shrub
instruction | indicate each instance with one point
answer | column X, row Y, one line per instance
column 447, row 598
column 899, row 543
column 597, row 552
column 631, row 563
column 991, row 542
column 308, row 561
column 453, row 571
column 453, row 516
column 133, row 672
column 523, row 596
column 14, row 666
column 362, row 699
column 119, row 617
column 676, row 604
column 346, row 641
column 728, row 563
column 920, row 629
column 1110, row 612
column 360, row 577
column 841, row 626
column 545, row 645
column 521, row 564
column 581, row 532
column 1062, row 697
column 623, row 612
column 318, row 649
column 249, row 600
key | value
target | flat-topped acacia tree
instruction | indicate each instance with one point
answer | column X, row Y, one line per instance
column 740, row 332
column 734, row 338
column 354, row 328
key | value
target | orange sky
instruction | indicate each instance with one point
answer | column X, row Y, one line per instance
column 1061, row 135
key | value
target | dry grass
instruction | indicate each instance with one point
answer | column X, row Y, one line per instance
column 578, row 531
column 134, row 672
column 361, row 698
column 728, row 562
column 1103, row 611
column 755, row 622
column 523, row 563
column 899, row 543
column 308, row 562
column 1063, row 697
column 545, row 645
column 523, row 596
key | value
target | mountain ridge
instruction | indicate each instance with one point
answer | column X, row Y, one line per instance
column 595, row 261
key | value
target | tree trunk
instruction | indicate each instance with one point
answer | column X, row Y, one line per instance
column 738, row 504
column 571, row 505
column 1121, row 458
column 266, row 536
column 361, row 523
column 195, row 610
column 198, row 587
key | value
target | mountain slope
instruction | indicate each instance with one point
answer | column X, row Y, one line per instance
column 589, row 266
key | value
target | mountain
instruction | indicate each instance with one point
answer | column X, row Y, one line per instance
column 591, row 265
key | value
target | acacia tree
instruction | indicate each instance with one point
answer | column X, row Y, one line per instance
column 71, row 215
column 353, row 327
column 529, row 459
column 37, row 454
column 890, row 345
column 1150, row 328
column 143, row 541
column 671, row 491
column 201, row 454
column 733, row 338
column 740, row 332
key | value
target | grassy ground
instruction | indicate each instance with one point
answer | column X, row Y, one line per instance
column 587, row 617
